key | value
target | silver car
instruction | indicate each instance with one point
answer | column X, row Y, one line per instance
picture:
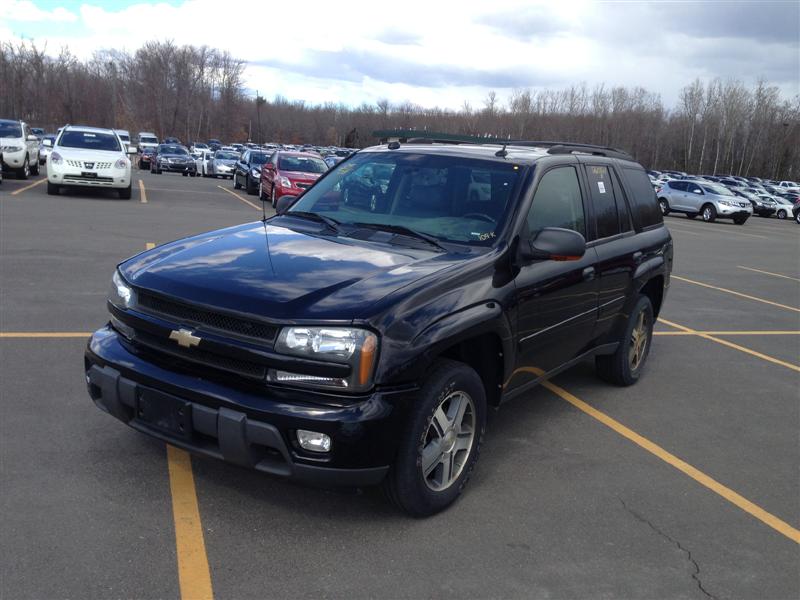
column 711, row 201
column 783, row 207
column 222, row 164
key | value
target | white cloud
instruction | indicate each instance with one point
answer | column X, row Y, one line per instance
column 27, row 11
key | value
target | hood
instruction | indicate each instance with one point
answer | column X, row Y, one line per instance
column 299, row 176
column 280, row 273
column 12, row 141
column 175, row 155
column 225, row 161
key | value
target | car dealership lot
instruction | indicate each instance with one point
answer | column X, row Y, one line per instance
column 565, row 502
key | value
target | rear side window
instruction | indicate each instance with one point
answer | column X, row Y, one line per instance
column 557, row 202
column 644, row 205
column 678, row 185
column 604, row 200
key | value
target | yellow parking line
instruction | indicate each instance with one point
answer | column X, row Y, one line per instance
column 243, row 199
column 194, row 576
column 771, row 359
column 741, row 295
column 44, row 334
column 27, row 187
column 149, row 246
column 767, row 273
column 734, row 498
column 142, row 193
column 726, row 333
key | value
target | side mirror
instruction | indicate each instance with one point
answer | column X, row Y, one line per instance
column 47, row 143
column 131, row 149
column 284, row 203
column 697, row 191
column 554, row 243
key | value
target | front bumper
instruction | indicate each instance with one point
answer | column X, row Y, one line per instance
column 733, row 211
column 178, row 167
column 14, row 160
column 255, row 430
column 66, row 175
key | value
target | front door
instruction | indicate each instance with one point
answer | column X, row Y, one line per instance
column 556, row 300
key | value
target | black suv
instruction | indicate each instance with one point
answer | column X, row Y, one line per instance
column 247, row 170
column 363, row 343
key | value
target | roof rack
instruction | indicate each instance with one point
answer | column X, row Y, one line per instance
column 569, row 148
column 411, row 136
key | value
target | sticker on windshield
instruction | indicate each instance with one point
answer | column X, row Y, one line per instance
column 601, row 186
column 88, row 134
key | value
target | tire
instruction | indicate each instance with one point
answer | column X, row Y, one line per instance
column 125, row 193
column 740, row 220
column 663, row 204
column 249, row 188
column 24, row 171
column 261, row 193
column 797, row 218
column 35, row 168
column 781, row 214
column 236, row 184
column 192, row 174
column 450, row 384
column 272, row 198
column 53, row 189
column 709, row 213
column 625, row 366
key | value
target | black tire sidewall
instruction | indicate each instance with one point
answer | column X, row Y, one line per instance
column 643, row 303
column 407, row 486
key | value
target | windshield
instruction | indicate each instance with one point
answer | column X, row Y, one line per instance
column 124, row 137
column 258, row 158
column 451, row 198
column 148, row 140
column 226, row 155
column 302, row 164
column 172, row 149
column 91, row 140
column 11, row 130
column 719, row 190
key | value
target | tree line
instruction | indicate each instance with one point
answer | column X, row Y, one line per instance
column 198, row 93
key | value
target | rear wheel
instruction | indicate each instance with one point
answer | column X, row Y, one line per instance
column 624, row 367
column 709, row 213
column 249, row 186
column 442, row 441
column 53, row 189
column 35, row 168
column 664, row 206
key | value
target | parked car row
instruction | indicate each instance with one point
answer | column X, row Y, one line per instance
column 732, row 197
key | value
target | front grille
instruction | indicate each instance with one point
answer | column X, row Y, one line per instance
column 198, row 356
column 89, row 179
column 84, row 164
column 186, row 313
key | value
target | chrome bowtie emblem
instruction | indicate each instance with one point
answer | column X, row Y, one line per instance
column 185, row 338
column 89, row 165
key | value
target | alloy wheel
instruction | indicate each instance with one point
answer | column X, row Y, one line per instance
column 707, row 213
column 639, row 337
column 448, row 441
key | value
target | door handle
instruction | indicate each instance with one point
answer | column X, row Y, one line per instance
column 637, row 257
column 588, row 273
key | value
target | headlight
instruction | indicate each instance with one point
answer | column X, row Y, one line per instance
column 285, row 182
column 725, row 202
column 255, row 172
column 355, row 347
column 121, row 294
column 122, row 163
column 55, row 158
column 11, row 148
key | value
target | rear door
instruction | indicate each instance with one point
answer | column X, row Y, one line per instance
column 695, row 197
column 614, row 240
column 556, row 300
column 677, row 197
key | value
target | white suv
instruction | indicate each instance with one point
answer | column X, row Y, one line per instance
column 147, row 140
column 19, row 147
column 89, row 157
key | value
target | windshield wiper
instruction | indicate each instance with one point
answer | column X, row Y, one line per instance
column 403, row 230
column 312, row 216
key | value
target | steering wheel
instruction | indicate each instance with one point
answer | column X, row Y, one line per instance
column 481, row 216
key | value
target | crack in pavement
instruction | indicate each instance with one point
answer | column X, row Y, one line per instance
column 686, row 551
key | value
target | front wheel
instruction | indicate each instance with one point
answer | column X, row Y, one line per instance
column 709, row 213
column 24, row 171
column 35, row 167
column 125, row 193
column 442, row 441
column 781, row 214
column 236, row 184
column 625, row 366
column 797, row 218
column 53, row 189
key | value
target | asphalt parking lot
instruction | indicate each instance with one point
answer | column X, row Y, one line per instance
column 683, row 486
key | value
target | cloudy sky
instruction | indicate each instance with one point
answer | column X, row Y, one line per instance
column 435, row 52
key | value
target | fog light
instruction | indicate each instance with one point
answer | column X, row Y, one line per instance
column 313, row 441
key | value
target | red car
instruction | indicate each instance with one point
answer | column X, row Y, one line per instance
column 289, row 174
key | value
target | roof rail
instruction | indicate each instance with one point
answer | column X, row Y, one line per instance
column 569, row 148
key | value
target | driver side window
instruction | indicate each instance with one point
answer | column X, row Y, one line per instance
column 557, row 202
